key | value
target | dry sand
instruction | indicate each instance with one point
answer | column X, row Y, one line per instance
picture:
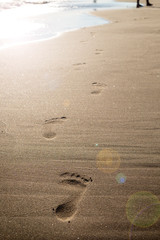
column 63, row 101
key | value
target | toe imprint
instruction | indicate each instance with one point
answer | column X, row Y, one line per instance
column 74, row 177
column 55, row 120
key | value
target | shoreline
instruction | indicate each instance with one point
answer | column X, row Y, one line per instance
column 67, row 102
column 100, row 21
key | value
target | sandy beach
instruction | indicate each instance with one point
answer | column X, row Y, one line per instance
column 80, row 132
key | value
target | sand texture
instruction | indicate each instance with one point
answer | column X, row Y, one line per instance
column 76, row 111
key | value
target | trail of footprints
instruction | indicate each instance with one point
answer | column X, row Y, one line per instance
column 75, row 183
column 77, row 186
column 49, row 124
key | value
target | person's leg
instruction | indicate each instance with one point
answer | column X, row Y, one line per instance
column 148, row 3
column 138, row 4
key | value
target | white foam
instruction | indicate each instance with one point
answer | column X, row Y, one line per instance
column 31, row 22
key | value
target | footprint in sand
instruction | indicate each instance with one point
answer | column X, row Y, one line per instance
column 98, row 51
column 77, row 184
column 77, row 65
column 49, row 127
column 97, row 87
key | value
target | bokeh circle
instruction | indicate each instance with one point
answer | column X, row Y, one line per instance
column 121, row 178
column 143, row 209
column 108, row 160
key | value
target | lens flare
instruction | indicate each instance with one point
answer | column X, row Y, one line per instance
column 143, row 209
column 108, row 160
column 121, row 178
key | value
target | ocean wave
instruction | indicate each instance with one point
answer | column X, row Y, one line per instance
column 36, row 2
column 8, row 4
column 60, row 4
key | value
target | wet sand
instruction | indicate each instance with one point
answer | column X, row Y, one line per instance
column 75, row 112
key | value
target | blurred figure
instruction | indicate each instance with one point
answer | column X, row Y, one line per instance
column 147, row 4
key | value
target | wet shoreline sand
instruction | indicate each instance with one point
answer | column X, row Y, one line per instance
column 68, row 105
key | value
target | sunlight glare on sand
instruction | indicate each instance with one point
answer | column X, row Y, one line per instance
column 17, row 25
column 13, row 28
